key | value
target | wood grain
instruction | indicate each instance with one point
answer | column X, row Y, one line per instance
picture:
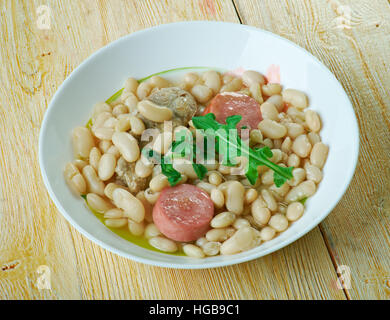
column 357, row 232
column 34, row 62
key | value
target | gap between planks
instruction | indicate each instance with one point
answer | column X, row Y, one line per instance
column 326, row 242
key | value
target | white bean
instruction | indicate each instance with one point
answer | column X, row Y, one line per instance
column 272, row 129
column 296, row 98
column 299, row 175
column 107, row 166
column 109, row 189
column 127, row 145
column 136, row 228
column 222, row 220
column 319, row 154
column 159, row 82
column 201, row 93
column 131, row 205
column 240, row 241
column 234, row 85
column 114, row 213
column 212, row 80
column 286, row 145
column 217, row 197
column 260, row 213
column 163, row 244
column 116, row 223
column 94, row 157
column 267, row 233
column 294, row 130
column 301, row 146
column 250, row 195
column 94, row 184
column 100, row 107
column 271, row 89
column 313, row 120
column 301, row 191
column 118, row 110
column 217, row 234
column 143, row 167
column 211, row 248
column 151, row 231
column 313, row 173
column 269, row 199
column 151, row 196
column 215, row 178
column 184, row 166
column 279, row 222
column 277, row 100
column 154, row 112
column 193, row 251
column 137, row 126
column 97, row 203
column 269, row 111
column 313, row 138
column 293, row 160
column 234, row 197
column 147, row 206
column 104, row 145
column 131, row 85
column 249, row 77
column 255, row 91
column 144, row 90
column 158, row 183
column 82, row 142
column 74, row 179
column 294, row 211
column 240, row 223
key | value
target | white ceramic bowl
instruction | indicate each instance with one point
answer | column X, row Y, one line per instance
column 214, row 44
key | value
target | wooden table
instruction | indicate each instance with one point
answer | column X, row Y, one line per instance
column 351, row 37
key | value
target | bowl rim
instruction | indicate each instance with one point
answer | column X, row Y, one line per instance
column 315, row 222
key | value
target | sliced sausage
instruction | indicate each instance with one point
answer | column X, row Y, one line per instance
column 183, row 212
column 228, row 104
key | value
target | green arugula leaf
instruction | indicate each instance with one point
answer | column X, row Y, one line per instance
column 231, row 146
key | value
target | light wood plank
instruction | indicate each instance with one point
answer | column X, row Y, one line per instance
column 357, row 231
column 33, row 63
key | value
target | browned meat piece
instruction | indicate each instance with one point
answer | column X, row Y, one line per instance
column 125, row 174
column 179, row 101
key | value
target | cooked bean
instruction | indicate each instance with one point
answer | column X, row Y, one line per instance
column 82, row 142
column 94, row 157
column 319, row 154
column 104, row 145
column 97, row 203
column 301, row 191
column 163, row 142
column 99, row 108
column 190, row 79
column 234, row 85
column 296, row 98
column 163, row 244
column 277, row 156
column 255, row 136
column 123, row 125
column 107, row 166
column 131, row 103
column 301, row 146
column 109, row 189
column 249, row 77
column 151, row 196
column 217, row 197
column 296, row 115
column 74, row 179
column 201, row 93
column 94, row 184
column 272, row 129
column 294, row 211
column 277, row 100
column 234, row 197
column 226, row 78
column 143, row 167
column 120, row 109
column 158, row 183
column 110, row 123
column 184, row 166
column 286, row 145
column 147, row 206
column 313, row 138
column 267, row 233
column 144, row 90
column 215, row 178
column 114, row 213
column 240, row 241
column 151, row 231
column 299, row 175
column 269, row 111
column 212, row 80
column 114, row 151
column 137, row 126
column 271, row 89
column 193, row 251
column 222, row 220
column 313, row 120
column 127, row 145
column 279, row 222
column 132, row 206
column 267, row 177
column 201, row 242
column 269, row 199
column 250, row 195
column 154, row 112
column 217, row 235
column 293, row 160
column 294, row 130
column 100, row 119
column 131, row 85
column 136, row 228
column 104, row 133
column 240, row 223
column 280, row 192
column 116, row 223
column 313, row 173
column 211, row 248
column 159, row 82
column 255, row 91
column 80, row 164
